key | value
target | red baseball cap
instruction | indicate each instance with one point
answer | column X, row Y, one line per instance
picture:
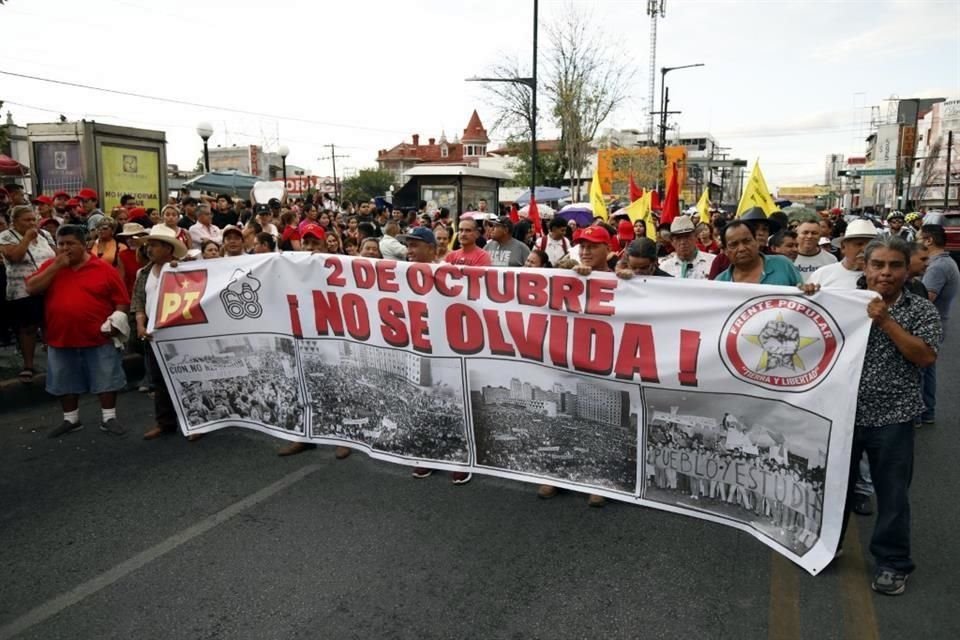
column 137, row 212
column 47, row 221
column 73, row 202
column 314, row 230
column 86, row 194
column 61, row 194
column 43, row 200
column 597, row 235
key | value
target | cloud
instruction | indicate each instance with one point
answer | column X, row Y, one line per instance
column 910, row 26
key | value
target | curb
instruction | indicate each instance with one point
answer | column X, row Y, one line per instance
column 17, row 395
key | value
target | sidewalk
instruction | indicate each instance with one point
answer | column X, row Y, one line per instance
column 15, row 394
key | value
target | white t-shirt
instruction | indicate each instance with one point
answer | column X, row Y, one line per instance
column 835, row 276
column 152, row 289
column 808, row 264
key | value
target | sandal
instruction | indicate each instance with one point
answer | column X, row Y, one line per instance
column 26, row 376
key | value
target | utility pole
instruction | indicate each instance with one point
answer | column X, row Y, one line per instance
column 333, row 157
column 946, row 184
column 723, row 170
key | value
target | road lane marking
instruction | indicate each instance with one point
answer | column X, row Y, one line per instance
column 55, row 605
column 783, row 618
column 859, row 618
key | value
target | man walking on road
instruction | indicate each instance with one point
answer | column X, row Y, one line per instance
column 83, row 294
column 942, row 280
column 904, row 338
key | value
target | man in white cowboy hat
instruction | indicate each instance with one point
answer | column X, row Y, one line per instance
column 163, row 247
column 686, row 261
column 846, row 273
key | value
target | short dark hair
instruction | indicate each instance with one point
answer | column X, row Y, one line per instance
column 125, row 198
column 557, row 223
column 366, row 230
column 735, row 224
column 642, row 248
column 894, row 243
column 936, row 234
column 253, row 224
column 188, row 200
column 267, row 239
column 777, row 239
column 78, row 231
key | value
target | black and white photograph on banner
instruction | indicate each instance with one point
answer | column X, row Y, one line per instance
column 536, row 420
column 757, row 461
column 390, row 400
column 250, row 377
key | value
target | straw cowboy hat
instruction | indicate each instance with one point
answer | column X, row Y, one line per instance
column 163, row 233
column 132, row 230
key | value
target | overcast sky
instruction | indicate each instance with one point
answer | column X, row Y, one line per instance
column 787, row 81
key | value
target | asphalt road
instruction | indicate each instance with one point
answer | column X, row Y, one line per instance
column 119, row 538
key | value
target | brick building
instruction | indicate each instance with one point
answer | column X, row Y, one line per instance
column 466, row 150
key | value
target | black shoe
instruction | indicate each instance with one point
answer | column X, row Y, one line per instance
column 113, row 427
column 65, row 428
column 862, row 505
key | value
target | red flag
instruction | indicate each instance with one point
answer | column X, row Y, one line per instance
column 671, row 204
column 655, row 200
column 635, row 192
column 515, row 213
column 533, row 213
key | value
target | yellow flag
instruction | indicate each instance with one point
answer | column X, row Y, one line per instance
column 597, row 202
column 703, row 206
column 756, row 194
column 640, row 209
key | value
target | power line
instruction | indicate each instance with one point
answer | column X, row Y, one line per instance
column 187, row 103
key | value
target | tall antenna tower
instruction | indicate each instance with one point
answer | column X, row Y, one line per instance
column 655, row 9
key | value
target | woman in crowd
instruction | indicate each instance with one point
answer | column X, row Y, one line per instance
column 106, row 246
column 538, row 260
column 289, row 234
column 154, row 215
column 333, row 243
column 706, row 241
column 171, row 217
column 24, row 248
column 351, row 247
column 121, row 215
column 310, row 215
column 209, row 250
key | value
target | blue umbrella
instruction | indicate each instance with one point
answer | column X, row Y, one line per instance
column 231, row 181
column 581, row 213
column 544, row 194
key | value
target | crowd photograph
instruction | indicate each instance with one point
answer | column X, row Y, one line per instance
column 550, row 425
column 839, row 193
column 253, row 378
column 756, row 461
column 389, row 400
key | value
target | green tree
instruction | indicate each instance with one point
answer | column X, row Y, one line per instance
column 551, row 165
column 367, row 184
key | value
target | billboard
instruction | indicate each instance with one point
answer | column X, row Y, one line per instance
column 58, row 167
column 133, row 171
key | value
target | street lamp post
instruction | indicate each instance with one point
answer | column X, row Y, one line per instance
column 205, row 130
column 664, row 102
column 284, row 151
column 530, row 82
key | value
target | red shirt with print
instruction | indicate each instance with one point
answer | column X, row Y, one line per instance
column 79, row 301
column 475, row 258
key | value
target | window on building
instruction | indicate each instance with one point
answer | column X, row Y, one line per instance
column 444, row 151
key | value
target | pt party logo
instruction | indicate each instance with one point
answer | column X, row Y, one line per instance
column 780, row 343
column 179, row 299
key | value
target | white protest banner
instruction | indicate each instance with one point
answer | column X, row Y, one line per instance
column 727, row 402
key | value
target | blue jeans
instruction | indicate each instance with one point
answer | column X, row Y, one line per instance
column 889, row 449
column 928, row 377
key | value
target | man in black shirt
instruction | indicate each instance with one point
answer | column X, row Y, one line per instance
column 189, row 208
column 225, row 215
column 640, row 259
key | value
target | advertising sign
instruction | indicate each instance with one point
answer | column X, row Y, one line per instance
column 133, row 171
column 58, row 167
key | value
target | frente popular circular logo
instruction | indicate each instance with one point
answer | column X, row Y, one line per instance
column 781, row 343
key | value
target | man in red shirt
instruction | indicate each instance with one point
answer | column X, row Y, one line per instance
column 469, row 253
column 81, row 293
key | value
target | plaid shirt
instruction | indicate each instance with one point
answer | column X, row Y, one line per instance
column 889, row 383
